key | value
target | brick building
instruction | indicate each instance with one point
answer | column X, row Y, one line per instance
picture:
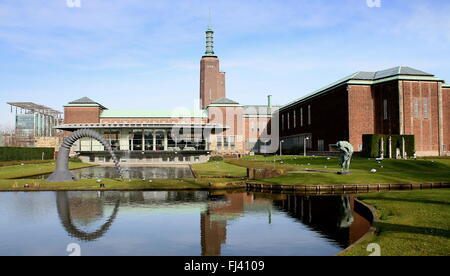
column 221, row 126
column 400, row 100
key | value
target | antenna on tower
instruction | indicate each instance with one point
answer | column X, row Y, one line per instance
column 209, row 18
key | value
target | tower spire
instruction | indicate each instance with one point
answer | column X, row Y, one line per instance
column 209, row 39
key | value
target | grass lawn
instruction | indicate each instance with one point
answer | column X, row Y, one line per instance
column 9, row 183
column 411, row 223
column 27, row 170
column 219, row 168
column 13, row 163
column 388, row 171
column 116, row 184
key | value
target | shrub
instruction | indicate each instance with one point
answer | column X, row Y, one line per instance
column 18, row 153
column 372, row 144
column 215, row 159
column 75, row 160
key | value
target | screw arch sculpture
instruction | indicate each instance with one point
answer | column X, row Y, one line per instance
column 62, row 172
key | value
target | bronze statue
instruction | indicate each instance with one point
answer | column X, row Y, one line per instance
column 346, row 150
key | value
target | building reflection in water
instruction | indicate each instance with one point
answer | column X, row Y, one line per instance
column 332, row 217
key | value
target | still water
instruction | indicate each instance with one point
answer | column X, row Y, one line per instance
column 130, row 172
column 177, row 223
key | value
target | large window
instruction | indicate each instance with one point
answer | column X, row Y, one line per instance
column 136, row 140
column 159, row 140
column 309, row 115
column 148, row 140
column 416, row 108
column 425, row 108
column 113, row 137
column 301, row 117
column 288, row 121
column 385, row 109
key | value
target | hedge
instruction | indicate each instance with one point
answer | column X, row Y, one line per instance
column 372, row 143
column 19, row 154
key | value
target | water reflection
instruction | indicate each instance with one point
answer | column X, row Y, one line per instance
column 331, row 222
column 130, row 172
column 86, row 211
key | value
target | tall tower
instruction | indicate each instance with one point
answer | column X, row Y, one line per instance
column 212, row 81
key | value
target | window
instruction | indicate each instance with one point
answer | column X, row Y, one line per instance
column 225, row 142
column 385, row 109
column 416, row 108
column 425, row 108
column 309, row 115
column 301, row 116
column 148, row 139
column 282, row 122
column 288, row 121
column 321, row 145
column 295, row 120
column 219, row 142
column 232, row 140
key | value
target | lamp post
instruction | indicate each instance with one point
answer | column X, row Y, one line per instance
column 281, row 147
column 305, row 139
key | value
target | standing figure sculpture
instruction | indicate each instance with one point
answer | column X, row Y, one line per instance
column 346, row 150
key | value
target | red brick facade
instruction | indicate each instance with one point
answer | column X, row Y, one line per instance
column 393, row 107
column 81, row 115
column 446, row 119
column 212, row 81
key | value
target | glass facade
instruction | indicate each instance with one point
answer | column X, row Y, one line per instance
column 145, row 140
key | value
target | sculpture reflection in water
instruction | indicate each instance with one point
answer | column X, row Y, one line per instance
column 65, row 213
column 332, row 217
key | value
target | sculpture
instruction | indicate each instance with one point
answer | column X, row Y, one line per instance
column 62, row 172
column 346, row 150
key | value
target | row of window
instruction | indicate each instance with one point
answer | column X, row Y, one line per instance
column 226, row 142
column 286, row 118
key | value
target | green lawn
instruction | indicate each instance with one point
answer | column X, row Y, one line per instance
column 116, row 184
column 411, row 223
column 388, row 171
column 26, row 170
column 8, row 181
column 219, row 168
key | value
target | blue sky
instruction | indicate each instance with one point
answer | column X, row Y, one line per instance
column 144, row 54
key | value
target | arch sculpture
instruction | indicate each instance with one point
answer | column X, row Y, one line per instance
column 62, row 172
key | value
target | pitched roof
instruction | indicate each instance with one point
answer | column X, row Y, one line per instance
column 86, row 101
column 399, row 70
column 224, row 101
column 369, row 78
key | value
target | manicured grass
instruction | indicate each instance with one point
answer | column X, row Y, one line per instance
column 116, row 184
column 14, row 163
column 219, row 168
column 411, row 223
column 388, row 171
column 27, row 170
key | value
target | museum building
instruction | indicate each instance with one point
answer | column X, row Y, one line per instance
column 222, row 126
column 400, row 100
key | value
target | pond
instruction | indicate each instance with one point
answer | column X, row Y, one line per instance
column 177, row 223
column 130, row 172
